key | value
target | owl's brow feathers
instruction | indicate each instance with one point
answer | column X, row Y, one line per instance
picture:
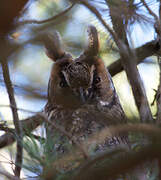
column 78, row 75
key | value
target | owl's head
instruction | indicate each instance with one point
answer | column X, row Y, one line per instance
column 74, row 82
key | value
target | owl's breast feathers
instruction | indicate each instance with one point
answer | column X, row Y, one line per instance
column 81, row 94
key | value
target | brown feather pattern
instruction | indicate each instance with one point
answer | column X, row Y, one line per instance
column 82, row 97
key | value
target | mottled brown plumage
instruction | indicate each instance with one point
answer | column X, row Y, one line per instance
column 81, row 94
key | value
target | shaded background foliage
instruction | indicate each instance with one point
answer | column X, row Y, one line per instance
column 30, row 67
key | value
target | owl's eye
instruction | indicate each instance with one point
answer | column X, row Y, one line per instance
column 97, row 80
column 63, row 84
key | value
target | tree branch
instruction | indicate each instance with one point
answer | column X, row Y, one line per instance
column 150, row 11
column 120, row 165
column 128, row 60
column 8, row 175
column 18, row 129
column 47, row 20
column 27, row 125
column 146, row 50
column 99, row 16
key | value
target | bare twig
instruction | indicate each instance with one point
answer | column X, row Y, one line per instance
column 21, row 109
column 150, row 11
column 39, row 138
column 142, row 52
column 12, row 131
column 27, row 125
column 47, row 20
column 31, row 91
column 99, row 16
column 18, row 128
column 157, row 24
column 6, row 129
column 8, row 175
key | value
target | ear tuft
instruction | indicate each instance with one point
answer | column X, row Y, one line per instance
column 53, row 45
column 93, row 42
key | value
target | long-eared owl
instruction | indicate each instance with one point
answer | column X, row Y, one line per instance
column 81, row 95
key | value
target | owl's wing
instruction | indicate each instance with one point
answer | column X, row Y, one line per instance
column 110, row 104
column 106, row 108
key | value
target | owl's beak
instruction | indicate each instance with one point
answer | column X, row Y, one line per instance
column 82, row 94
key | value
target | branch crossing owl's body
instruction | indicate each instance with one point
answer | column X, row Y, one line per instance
column 81, row 94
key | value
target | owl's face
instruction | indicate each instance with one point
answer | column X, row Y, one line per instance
column 74, row 82
column 71, row 83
